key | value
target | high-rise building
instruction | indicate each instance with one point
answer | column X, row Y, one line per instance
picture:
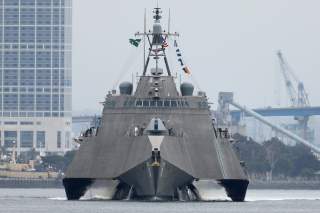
column 35, row 75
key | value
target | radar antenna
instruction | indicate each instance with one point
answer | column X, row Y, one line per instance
column 157, row 39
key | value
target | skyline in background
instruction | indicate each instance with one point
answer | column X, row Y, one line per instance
column 35, row 75
column 229, row 46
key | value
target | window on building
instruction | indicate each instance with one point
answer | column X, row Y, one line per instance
column 55, row 77
column 26, row 139
column 62, row 103
column 27, row 78
column 27, row 34
column 44, row 3
column 55, row 102
column 43, row 34
column 11, row 34
column 59, row 139
column 27, row 59
column 10, row 59
column 43, row 77
column 56, row 30
column 11, row 14
column 27, row 2
column 67, row 140
column 43, row 102
column 56, row 3
column 10, row 102
column 26, row 102
column 44, row 59
column 62, row 74
column 44, row 15
column 11, row 77
column 11, row 2
column 26, row 123
column 41, row 139
column 10, row 123
column 10, row 139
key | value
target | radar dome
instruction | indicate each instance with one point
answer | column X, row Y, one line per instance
column 186, row 89
column 126, row 88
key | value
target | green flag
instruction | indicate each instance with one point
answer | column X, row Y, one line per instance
column 135, row 42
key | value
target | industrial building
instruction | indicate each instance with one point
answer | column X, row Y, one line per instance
column 35, row 75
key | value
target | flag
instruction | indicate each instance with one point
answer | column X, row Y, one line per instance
column 175, row 43
column 165, row 44
column 134, row 42
column 181, row 62
column 179, row 55
column 186, row 70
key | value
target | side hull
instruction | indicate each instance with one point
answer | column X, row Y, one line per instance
column 76, row 187
column 236, row 188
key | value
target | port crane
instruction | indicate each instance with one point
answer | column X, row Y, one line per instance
column 299, row 97
column 296, row 92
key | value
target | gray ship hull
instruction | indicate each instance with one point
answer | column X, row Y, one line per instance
column 155, row 180
column 156, row 141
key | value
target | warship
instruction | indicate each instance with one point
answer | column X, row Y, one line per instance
column 156, row 142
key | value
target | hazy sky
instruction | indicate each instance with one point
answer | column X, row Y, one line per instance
column 229, row 45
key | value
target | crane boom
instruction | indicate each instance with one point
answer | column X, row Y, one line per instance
column 298, row 97
column 289, row 85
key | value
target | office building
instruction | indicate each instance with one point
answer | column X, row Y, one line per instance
column 35, row 75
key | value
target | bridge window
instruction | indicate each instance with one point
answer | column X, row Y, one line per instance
column 173, row 103
column 179, row 103
column 157, row 103
column 138, row 103
column 129, row 103
column 145, row 103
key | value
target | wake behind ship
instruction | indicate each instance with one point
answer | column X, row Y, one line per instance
column 156, row 142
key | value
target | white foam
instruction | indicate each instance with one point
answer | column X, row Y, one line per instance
column 57, row 198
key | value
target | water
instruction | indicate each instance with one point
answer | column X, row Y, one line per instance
column 54, row 201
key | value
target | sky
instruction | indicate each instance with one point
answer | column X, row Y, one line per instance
column 229, row 45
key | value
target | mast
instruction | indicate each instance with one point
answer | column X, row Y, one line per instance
column 144, row 37
column 157, row 40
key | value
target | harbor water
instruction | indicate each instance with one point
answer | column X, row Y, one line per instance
column 54, row 201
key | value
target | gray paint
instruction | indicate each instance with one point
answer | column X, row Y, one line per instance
column 194, row 149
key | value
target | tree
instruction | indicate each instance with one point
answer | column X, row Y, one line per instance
column 275, row 150
column 252, row 153
column 278, row 159
column 57, row 162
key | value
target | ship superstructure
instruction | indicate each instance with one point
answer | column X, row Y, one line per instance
column 156, row 141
